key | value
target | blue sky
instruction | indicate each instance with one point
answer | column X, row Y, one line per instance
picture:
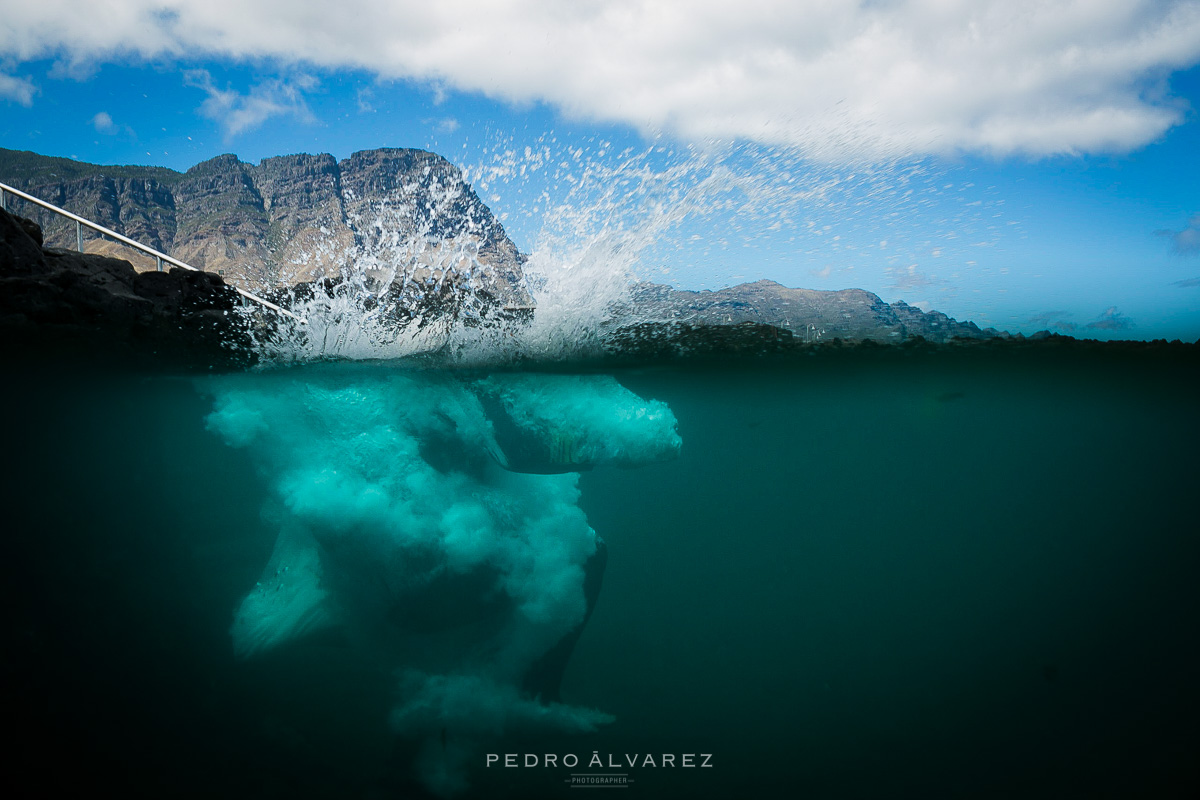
column 1025, row 165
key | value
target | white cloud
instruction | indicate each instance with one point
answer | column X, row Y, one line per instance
column 1059, row 320
column 236, row 112
column 837, row 79
column 103, row 123
column 910, row 279
column 18, row 90
column 1111, row 320
column 365, row 97
column 1185, row 242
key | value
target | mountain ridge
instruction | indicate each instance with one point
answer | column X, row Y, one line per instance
column 403, row 216
column 286, row 220
column 810, row 315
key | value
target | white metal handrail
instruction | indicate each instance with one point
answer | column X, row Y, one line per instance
column 160, row 257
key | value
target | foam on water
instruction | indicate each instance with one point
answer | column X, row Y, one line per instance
column 434, row 522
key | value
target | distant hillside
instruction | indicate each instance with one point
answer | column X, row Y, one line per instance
column 811, row 315
column 286, row 220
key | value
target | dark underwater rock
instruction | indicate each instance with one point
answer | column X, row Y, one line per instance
column 93, row 306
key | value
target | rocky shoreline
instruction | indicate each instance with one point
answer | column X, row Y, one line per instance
column 90, row 306
column 753, row 343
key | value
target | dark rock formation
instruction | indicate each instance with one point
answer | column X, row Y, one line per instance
column 92, row 305
column 666, row 340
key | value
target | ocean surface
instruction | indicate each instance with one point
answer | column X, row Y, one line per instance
column 893, row 574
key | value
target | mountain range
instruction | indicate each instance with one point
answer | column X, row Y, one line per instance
column 398, row 214
column 810, row 315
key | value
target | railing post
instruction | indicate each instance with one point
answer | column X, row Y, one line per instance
column 79, row 235
column 159, row 260
column 3, row 205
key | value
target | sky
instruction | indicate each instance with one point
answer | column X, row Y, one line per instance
column 1025, row 164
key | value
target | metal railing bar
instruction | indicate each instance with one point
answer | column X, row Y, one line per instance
column 161, row 257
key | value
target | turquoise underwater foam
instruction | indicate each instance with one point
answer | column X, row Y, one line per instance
column 398, row 493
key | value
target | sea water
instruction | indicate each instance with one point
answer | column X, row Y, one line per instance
column 944, row 574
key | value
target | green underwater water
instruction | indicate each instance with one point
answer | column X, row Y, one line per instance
column 941, row 575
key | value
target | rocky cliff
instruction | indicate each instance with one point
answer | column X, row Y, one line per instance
column 399, row 213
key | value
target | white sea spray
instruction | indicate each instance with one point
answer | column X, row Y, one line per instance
column 598, row 220
column 400, row 525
